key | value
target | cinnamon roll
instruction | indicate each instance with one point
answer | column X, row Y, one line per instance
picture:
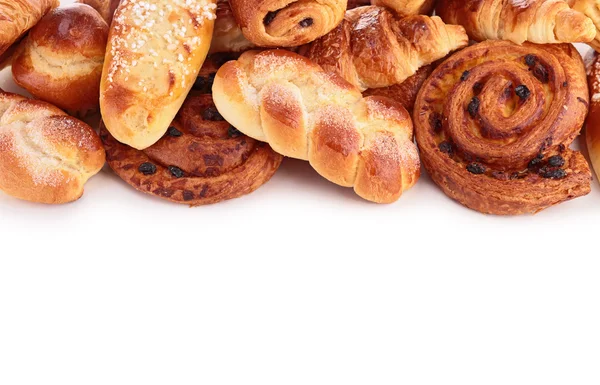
column 287, row 23
column 494, row 123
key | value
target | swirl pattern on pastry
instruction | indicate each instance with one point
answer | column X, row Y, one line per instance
column 494, row 122
column 201, row 160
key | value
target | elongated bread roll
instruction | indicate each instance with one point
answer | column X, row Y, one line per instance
column 154, row 54
column 287, row 23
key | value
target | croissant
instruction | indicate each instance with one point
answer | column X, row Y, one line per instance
column 494, row 123
column 287, row 23
column 590, row 8
column 306, row 113
column 400, row 46
column 17, row 17
column 407, row 7
column 536, row 21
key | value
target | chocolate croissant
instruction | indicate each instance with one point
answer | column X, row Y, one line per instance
column 373, row 48
column 287, row 23
column 494, row 123
column 536, row 21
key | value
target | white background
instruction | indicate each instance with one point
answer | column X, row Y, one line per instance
column 300, row 282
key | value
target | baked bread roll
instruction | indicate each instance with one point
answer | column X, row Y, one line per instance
column 153, row 57
column 61, row 59
column 106, row 8
column 18, row 16
column 494, row 123
column 201, row 160
column 401, row 46
column 306, row 113
column 591, row 9
column 46, row 156
column 228, row 36
column 592, row 127
column 536, row 21
column 407, row 7
column 287, row 23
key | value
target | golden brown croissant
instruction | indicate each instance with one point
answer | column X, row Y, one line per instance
column 399, row 46
column 590, row 8
column 18, row 16
column 304, row 112
column 287, row 23
column 536, row 21
column 228, row 36
column 407, row 7
column 494, row 123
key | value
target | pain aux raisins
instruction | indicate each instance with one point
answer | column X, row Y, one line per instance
column 473, row 107
column 147, row 168
column 174, row 132
column 176, row 171
column 522, row 92
column 475, row 168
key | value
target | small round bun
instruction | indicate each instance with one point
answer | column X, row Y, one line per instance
column 46, row 156
column 61, row 60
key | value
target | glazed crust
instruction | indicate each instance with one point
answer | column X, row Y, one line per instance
column 153, row 57
column 106, row 8
column 536, row 21
column 216, row 162
column 306, row 113
column 592, row 127
column 496, row 138
column 46, row 156
column 228, row 36
column 287, row 23
column 18, row 16
column 401, row 46
column 61, row 59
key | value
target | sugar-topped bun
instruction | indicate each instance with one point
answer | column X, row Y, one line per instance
column 46, row 156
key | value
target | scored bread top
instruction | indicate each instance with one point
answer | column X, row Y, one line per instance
column 154, row 53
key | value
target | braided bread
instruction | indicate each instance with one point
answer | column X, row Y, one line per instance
column 401, row 46
column 46, row 156
column 304, row 112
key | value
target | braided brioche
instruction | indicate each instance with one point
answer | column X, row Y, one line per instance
column 304, row 112
column 401, row 46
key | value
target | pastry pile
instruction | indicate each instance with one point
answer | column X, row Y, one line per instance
column 200, row 100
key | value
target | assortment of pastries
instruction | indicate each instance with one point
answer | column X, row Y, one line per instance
column 200, row 100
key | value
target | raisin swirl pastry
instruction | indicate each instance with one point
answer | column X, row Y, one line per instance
column 494, row 123
column 201, row 160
